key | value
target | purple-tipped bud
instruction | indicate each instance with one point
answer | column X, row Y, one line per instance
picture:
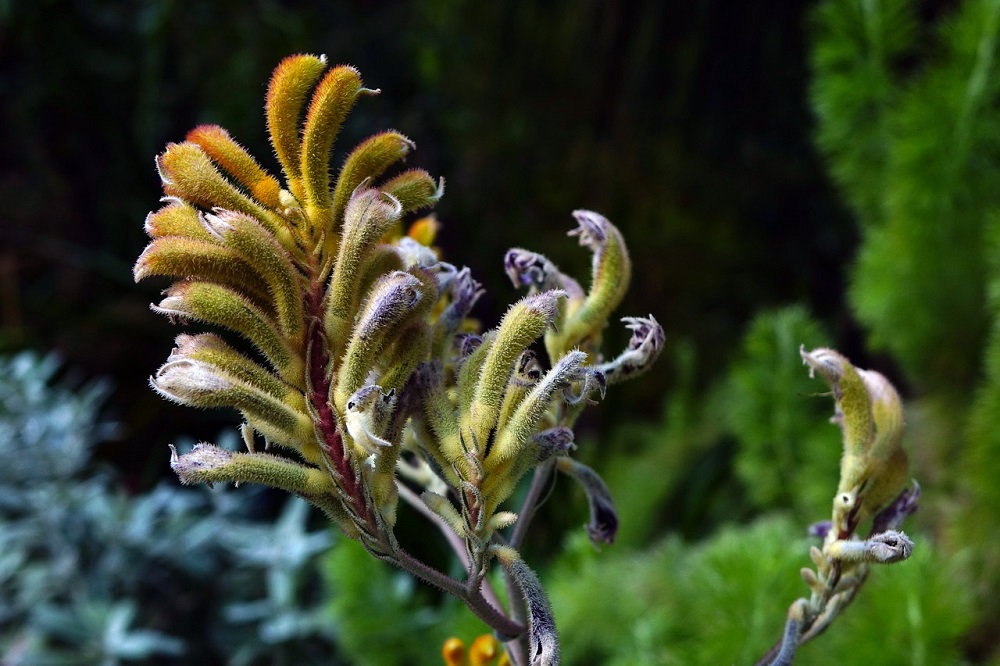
column 370, row 207
column 526, row 268
column 553, row 442
column 593, row 230
column 464, row 293
column 543, row 637
column 415, row 253
column 890, row 547
column 643, row 349
column 392, row 297
column 603, row 524
column 468, row 344
column 533, row 270
column 820, row 529
column 885, row 548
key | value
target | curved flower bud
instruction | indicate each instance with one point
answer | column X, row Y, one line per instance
column 197, row 259
column 211, row 464
column 286, row 94
column 176, row 218
column 213, row 350
column 643, row 349
column 188, row 173
column 524, row 322
column 331, row 101
column 870, row 414
column 885, row 548
column 603, row 517
column 200, row 384
column 523, row 424
column 414, row 189
column 214, row 304
column 367, row 161
column 237, row 162
column 533, row 270
column 369, row 216
column 610, row 275
column 259, row 248
column 544, row 640
column 392, row 300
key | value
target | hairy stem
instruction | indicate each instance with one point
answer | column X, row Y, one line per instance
column 477, row 603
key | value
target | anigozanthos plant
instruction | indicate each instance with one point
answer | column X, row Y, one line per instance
column 365, row 371
column 873, row 473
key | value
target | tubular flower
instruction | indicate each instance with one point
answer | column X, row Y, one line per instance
column 361, row 361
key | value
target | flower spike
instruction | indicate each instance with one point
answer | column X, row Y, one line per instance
column 365, row 361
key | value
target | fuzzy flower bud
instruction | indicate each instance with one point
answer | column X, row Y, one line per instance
column 200, row 384
column 524, row 322
column 392, row 300
column 885, row 548
column 603, row 525
column 643, row 349
column 544, row 640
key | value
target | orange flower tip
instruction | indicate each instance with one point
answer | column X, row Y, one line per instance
column 484, row 649
column 453, row 652
column 268, row 192
column 207, row 134
column 424, row 230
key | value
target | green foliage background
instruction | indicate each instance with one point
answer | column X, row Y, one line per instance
column 819, row 173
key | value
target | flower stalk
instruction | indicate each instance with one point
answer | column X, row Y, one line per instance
column 365, row 371
column 872, row 478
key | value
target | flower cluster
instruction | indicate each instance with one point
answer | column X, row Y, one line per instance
column 873, row 473
column 359, row 359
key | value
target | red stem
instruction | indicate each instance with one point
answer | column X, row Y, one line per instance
column 326, row 422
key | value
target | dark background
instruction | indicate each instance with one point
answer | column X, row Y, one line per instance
column 686, row 124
